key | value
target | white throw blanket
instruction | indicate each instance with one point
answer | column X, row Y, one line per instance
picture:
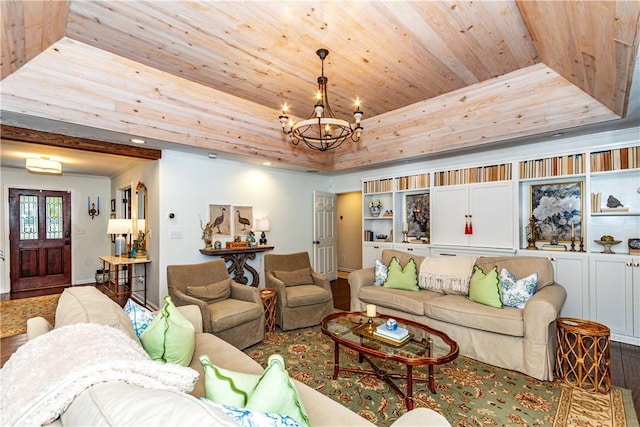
column 449, row 275
column 43, row 376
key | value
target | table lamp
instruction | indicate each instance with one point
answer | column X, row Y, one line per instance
column 263, row 224
column 120, row 227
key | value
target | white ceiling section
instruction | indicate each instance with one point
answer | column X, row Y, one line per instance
column 433, row 76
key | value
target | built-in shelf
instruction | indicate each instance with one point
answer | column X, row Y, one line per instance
column 501, row 172
column 568, row 165
column 616, row 159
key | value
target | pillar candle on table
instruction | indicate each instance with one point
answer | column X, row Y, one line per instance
column 371, row 310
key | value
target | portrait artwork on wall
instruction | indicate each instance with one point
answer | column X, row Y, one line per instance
column 417, row 215
column 556, row 209
column 242, row 220
column 220, row 219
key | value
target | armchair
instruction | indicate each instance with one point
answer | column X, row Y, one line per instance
column 304, row 296
column 230, row 310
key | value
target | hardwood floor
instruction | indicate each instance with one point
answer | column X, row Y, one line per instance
column 625, row 358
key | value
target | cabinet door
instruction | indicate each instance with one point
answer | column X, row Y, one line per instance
column 371, row 252
column 491, row 207
column 449, row 205
column 612, row 292
column 419, row 249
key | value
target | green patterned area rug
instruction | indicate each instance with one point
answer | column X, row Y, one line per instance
column 14, row 313
column 468, row 393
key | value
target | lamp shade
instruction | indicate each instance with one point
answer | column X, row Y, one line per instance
column 119, row 226
column 263, row 224
column 43, row 165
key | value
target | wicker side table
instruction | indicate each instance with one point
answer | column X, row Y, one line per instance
column 582, row 358
column 268, row 296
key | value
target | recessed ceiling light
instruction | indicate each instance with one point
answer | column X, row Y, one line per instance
column 138, row 141
column 213, row 156
column 266, row 163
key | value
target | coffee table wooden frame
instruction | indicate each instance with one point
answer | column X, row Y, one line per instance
column 365, row 352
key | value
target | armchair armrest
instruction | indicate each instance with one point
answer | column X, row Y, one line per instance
column 542, row 309
column 320, row 280
column 180, row 299
column 357, row 279
column 245, row 293
column 37, row 326
column 279, row 286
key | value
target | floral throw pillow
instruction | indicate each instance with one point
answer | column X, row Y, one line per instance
column 380, row 271
column 515, row 292
column 140, row 316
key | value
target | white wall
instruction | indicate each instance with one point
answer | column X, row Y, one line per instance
column 89, row 237
column 190, row 183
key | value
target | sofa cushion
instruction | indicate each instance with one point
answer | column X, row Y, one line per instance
column 515, row 292
column 247, row 417
column 484, row 288
column 255, row 392
column 86, row 304
column 303, row 295
column 399, row 277
column 117, row 403
column 397, row 299
column 459, row 310
column 170, row 337
column 403, row 257
column 232, row 312
column 295, row 277
column 213, row 292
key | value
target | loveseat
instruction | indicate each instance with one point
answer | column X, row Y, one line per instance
column 523, row 340
column 121, row 403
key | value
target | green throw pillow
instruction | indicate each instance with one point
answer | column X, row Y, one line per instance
column 485, row 288
column 271, row 392
column 399, row 278
column 170, row 337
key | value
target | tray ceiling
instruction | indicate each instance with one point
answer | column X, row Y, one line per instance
column 432, row 76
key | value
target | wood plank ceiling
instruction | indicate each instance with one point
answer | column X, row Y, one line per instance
column 433, row 76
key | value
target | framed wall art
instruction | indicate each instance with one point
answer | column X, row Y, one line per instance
column 417, row 215
column 557, row 210
column 242, row 220
column 220, row 219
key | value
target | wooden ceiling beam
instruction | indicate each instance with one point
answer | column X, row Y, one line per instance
column 65, row 141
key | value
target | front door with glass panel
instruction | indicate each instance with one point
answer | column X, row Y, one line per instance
column 40, row 239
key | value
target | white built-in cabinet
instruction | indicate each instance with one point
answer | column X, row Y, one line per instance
column 572, row 271
column 615, row 293
column 483, row 211
column 496, row 200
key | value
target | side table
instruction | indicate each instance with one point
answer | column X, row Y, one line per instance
column 269, row 296
column 583, row 357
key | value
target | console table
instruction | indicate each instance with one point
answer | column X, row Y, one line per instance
column 238, row 258
column 122, row 276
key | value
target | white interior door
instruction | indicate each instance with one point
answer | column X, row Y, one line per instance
column 325, row 256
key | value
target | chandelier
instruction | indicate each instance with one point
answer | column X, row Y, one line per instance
column 322, row 131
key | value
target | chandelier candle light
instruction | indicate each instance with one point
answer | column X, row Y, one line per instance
column 322, row 131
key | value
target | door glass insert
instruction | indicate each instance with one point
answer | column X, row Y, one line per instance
column 54, row 217
column 28, row 217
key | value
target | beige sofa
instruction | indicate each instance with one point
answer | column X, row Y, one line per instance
column 119, row 403
column 523, row 340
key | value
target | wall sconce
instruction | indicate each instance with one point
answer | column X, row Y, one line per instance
column 263, row 224
column 92, row 210
column 120, row 227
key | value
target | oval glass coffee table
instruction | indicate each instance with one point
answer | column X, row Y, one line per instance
column 425, row 347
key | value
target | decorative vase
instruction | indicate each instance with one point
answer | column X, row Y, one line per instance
column 375, row 211
column 207, row 242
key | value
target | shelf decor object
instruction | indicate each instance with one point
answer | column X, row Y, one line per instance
column 321, row 130
column 607, row 245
